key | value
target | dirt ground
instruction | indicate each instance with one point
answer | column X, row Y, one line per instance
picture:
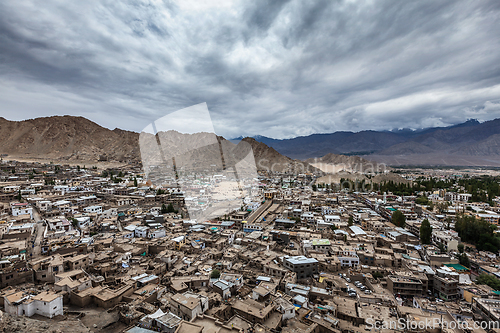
column 75, row 320
column 103, row 165
column 11, row 324
column 99, row 320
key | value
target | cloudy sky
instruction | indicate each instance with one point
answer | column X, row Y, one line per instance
column 274, row 68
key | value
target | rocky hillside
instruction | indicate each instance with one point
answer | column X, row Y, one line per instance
column 267, row 158
column 66, row 138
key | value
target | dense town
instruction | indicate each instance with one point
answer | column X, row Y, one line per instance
column 106, row 250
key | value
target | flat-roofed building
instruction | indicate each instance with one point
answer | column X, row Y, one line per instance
column 303, row 266
column 188, row 305
column 447, row 288
column 47, row 304
column 404, row 285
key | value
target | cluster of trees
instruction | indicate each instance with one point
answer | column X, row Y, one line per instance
column 489, row 280
column 425, row 232
column 462, row 257
column 478, row 232
column 398, row 218
column 483, row 189
column 215, row 274
column 432, row 183
column 168, row 209
column 423, row 200
column 394, row 187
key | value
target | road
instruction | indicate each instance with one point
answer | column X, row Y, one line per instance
column 39, row 229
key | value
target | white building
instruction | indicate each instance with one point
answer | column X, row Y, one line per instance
column 327, row 210
column 93, row 209
column 309, row 217
column 44, row 205
column 83, row 221
column 348, row 261
column 64, row 206
column 110, row 213
column 156, row 233
column 457, row 197
column 21, row 209
column 335, row 219
column 47, row 304
column 141, row 231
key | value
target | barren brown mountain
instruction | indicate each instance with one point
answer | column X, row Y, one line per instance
column 66, row 138
column 69, row 138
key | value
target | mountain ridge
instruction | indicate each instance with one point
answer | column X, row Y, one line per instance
column 76, row 138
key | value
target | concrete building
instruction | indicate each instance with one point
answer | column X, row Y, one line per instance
column 446, row 288
column 47, row 304
column 303, row 266
column 404, row 286
column 21, row 209
column 188, row 305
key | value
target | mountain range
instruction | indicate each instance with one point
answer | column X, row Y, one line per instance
column 468, row 143
column 76, row 138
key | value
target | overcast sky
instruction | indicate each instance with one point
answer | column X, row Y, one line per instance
column 274, row 68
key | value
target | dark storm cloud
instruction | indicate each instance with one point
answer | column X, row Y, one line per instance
column 276, row 68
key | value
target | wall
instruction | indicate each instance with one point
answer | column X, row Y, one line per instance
column 49, row 309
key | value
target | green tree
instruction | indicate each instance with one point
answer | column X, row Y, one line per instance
column 422, row 200
column 463, row 259
column 425, row 232
column 215, row 274
column 314, row 187
column 460, row 248
column 478, row 232
column 170, row 208
column 163, row 209
column 351, row 221
column 74, row 222
column 442, row 207
column 398, row 218
column 377, row 275
column 489, row 280
column 135, row 181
